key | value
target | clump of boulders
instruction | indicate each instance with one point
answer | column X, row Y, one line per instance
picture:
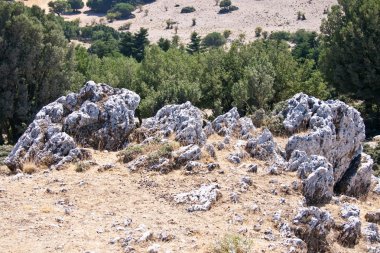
column 99, row 117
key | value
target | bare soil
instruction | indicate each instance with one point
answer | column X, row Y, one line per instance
column 271, row 15
column 69, row 211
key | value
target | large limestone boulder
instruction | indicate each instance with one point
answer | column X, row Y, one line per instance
column 316, row 174
column 313, row 225
column 333, row 130
column 99, row 117
column 231, row 123
column 184, row 120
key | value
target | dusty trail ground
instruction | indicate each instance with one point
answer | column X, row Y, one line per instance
column 271, row 15
column 69, row 211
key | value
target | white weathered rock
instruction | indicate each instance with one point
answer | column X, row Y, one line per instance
column 264, row 148
column 231, row 123
column 316, row 174
column 200, row 199
column 312, row 225
column 348, row 210
column 371, row 233
column 99, row 116
column 357, row 179
column 350, row 232
column 186, row 154
column 331, row 129
column 185, row 120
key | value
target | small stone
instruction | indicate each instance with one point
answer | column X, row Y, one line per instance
column 147, row 236
column 234, row 197
column 246, row 180
column 252, row 168
column 373, row 217
column 154, row 248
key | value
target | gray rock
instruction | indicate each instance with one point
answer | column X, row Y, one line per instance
column 210, row 150
column 230, row 123
column 371, row 233
column 347, row 211
column 331, row 129
column 234, row 158
column 350, row 232
column 99, row 116
column 186, row 154
column 201, row 199
column 373, row 217
column 252, row 168
column 312, row 225
column 192, row 165
column 264, row 148
column 184, row 120
column 357, row 179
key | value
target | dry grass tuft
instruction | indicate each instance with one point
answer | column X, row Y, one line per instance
column 232, row 243
column 29, row 168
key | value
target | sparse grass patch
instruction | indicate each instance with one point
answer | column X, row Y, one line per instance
column 232, row 243
column 29, row 168
column 130, row 153
column 82, row 166
column 165, row 150
column 4, row 151
column 375, row 155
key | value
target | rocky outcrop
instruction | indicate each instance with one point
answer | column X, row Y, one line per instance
column 200, row 199
column 331, row 129
column 264, row 148
column 316, row 174
column 350, row 232
column 231, row 123
column 184, row 120
column 99, row 117
column 312, row 225
column 371, row 233
column 186, row 154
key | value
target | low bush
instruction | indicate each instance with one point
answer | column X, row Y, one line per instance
column 188, row 9
column 374, row 152
column 130, row 153
column 232, row 243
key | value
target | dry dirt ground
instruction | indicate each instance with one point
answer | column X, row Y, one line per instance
column 271, row 15
column 69, row 211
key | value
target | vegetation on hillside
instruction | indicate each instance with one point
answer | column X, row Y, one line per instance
column 42, row 65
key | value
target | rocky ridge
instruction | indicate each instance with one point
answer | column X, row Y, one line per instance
column 324, row 150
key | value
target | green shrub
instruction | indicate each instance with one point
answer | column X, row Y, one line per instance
column 375, row 154
column 163, row 151
column 124, row 10
column 4, row 151
column 130, row 153
column 233, row 243
column 82, row 166
column 214, row 39
column 258, row 31
column 188, row 9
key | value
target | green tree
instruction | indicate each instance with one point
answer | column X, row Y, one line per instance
column 214, row 39
column 140, row 42
column 164, row 44
column 350, row 51
column 256, row 88
column 123, row 10
column 76, row 4
column 59, row 6
column 195, row 43
column 36, row 65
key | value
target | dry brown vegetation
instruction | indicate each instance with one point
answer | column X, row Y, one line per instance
column 66, row 211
